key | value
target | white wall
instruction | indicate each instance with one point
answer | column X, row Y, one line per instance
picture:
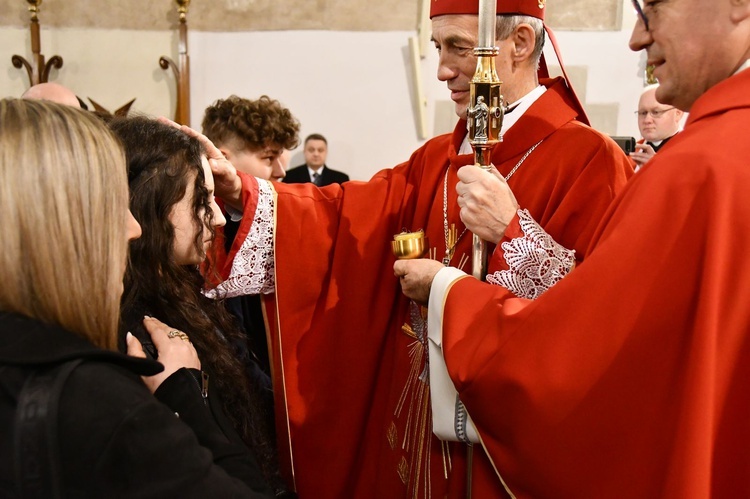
column 615, row 73
column 110, row 66
column 353, row 87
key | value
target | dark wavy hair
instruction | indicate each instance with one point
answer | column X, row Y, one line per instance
column 255, row 123
column 162, row 161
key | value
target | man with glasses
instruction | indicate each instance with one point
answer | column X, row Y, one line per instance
column 657, row 123
column 629, row 377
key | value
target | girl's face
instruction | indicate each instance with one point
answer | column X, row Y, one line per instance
column 185, row 230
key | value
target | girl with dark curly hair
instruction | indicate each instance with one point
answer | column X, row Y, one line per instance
column 171, row 196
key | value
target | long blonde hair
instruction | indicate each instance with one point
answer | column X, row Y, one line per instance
column 63, row 206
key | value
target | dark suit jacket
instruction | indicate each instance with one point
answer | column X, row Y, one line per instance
column 300, row 175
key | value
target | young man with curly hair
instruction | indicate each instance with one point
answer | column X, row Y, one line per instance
column 252, row 134
column 255, row 135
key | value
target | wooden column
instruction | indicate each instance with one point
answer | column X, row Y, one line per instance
column 181, row 70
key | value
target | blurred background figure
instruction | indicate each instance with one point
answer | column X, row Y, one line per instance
column 657, row 123
column 52, row 92
column 315, row 170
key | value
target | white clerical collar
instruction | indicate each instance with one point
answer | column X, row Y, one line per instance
column 319, row 171
column 743, row 67
column 519, row 107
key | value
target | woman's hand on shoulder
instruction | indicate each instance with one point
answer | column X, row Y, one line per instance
column 174, row 347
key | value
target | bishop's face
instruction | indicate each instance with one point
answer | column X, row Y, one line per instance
column 455, row 37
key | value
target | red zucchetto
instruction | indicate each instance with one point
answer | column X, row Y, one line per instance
column 533, row 8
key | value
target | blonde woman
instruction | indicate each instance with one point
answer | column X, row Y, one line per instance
column 66, row 227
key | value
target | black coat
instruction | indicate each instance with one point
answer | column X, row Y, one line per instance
column 300, row 175
column 115, row 438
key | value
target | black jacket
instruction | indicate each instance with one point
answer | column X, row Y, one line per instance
column 115, row 438
column 300, row 175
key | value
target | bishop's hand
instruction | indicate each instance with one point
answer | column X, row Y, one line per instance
column 227, row 183
column 416, row 277
column 486, row 201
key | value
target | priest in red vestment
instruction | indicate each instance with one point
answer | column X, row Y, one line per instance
column 628, row 378
column 348, row 349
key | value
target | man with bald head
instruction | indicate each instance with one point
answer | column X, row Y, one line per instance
column 657, row 123
column 52, row 92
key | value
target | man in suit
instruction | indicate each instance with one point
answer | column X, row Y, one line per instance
column 658, row 123
column 315, row 170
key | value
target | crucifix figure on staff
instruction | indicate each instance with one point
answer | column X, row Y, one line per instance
column 485, row 112
column 345, row 344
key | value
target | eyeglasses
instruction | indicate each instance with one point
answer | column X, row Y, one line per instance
column 639, row 10
column 654, row 113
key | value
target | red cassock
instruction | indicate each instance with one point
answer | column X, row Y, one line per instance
column 630, row 377
column 341, row 360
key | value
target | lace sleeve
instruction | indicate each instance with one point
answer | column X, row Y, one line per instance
column 535, row 261
column 253, row 267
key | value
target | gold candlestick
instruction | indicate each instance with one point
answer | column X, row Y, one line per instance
column 182, row 8
column 34, row 8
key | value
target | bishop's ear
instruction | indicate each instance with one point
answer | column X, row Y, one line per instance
column 524, row 42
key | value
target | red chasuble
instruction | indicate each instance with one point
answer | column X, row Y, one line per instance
column 345, row 370
column 630, row 377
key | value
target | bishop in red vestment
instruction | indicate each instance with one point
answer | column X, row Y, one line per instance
column 348, row 349
column 628, row 378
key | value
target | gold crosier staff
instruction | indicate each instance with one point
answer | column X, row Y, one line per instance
column 484, row 119
column 485, row 113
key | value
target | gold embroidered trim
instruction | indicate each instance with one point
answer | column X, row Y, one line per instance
column 392, row 435
column 403, row 470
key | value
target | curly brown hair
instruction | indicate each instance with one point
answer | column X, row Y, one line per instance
column 255, row 123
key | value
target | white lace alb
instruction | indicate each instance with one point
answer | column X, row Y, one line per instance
column 253, row 269
column 535, row 261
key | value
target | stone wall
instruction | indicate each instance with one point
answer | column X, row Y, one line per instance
column 277, row 15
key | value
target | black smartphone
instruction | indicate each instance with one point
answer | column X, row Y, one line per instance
column 627, row 144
